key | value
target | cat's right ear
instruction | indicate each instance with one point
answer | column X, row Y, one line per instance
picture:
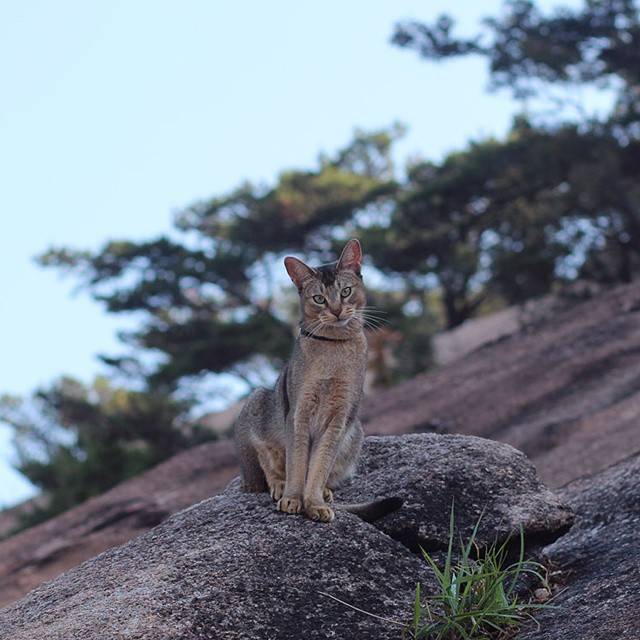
column 298, row 271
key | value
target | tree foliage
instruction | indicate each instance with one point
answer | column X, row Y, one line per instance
column 74, row 441
column 596, row 43
column 514, row 217
column 208, row 298
column 554, row 200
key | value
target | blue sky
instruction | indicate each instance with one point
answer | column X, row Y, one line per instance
column 113, row 115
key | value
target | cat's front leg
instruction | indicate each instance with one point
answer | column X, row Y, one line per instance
column 297, row 460
column 320, row 465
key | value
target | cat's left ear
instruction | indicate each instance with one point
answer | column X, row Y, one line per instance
column 351, row 258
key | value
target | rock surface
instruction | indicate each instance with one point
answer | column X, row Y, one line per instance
column 233, row 567
column 483, row 479
column 45, row 551
column 230, row 567
column 566, row 392
column 600, row 560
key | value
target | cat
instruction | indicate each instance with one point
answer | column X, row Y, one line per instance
column 300, row 440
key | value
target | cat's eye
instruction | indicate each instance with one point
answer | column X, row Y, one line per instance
column 319, row 299
column 346, row 292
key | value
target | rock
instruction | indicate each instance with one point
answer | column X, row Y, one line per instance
column 483, row 479
column 542, row 595
column 566, row 392
column 230, row 567
column 234, row 567
column 45, row 551
column 11, row 517
column 599, row 560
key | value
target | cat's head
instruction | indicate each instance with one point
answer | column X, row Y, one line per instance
column 331, row 295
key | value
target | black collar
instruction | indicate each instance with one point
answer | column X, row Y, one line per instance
column 306, row 334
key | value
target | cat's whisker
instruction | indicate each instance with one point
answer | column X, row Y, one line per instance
column 370, row 325
column 372, row 329
column 373, row 319
column 315, row 326
column 373, row 315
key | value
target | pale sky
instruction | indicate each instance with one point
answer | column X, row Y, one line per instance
column 113, row 115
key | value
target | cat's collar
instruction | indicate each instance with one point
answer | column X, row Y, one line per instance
column 307, row 334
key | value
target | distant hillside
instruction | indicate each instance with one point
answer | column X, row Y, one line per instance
column 566, row 391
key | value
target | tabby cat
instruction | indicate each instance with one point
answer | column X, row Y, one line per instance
column 301, row 439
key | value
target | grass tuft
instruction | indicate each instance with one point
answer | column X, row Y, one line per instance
column 476, row 596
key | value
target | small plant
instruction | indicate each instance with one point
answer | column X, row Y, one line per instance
column 476, row 595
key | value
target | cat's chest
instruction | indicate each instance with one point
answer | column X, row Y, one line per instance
column 331, row 378
column 330, row 365
column 329, row 390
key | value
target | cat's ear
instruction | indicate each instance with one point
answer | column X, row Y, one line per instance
column 351, row 258
column 298, row 271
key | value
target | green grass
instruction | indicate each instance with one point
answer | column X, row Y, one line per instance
column 476, row 598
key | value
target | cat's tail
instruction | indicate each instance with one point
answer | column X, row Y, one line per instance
column 374, row 510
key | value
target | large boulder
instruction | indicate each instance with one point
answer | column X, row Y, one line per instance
column 481, row 479
column 229, row 567
column 599, row 560
column 233, row 567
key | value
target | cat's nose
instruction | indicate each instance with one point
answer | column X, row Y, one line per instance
column 337, row 313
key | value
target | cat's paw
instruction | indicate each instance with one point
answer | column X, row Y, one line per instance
column 290, row 504
column 277, row 489
column 320, row 512
column 327, row 494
